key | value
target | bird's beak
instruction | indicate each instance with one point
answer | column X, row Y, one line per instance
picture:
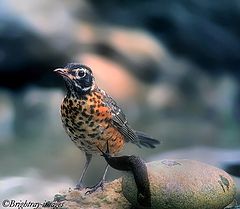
column 62, row 72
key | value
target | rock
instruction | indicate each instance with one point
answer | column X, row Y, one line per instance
column 122, row 47
column 184, row 184
column 110, row 197
column 233, row 207
column 24, row 52
column 24, row 46
column 226, row 159
column 201, row 31
column 7, row 117
column 174, row 184
column 104, row 69
column 233, row 169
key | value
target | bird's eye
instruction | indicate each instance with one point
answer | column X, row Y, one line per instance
column 81, row 73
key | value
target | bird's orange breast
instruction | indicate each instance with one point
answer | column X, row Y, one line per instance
column 88, row 122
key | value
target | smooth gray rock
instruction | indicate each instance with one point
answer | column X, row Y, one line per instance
column 184, row 184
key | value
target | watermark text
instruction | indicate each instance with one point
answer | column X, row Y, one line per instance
column 20, row 204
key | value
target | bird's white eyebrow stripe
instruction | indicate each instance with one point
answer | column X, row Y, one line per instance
column 84, row 69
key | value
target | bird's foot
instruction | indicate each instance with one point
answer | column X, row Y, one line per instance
column 100, row 184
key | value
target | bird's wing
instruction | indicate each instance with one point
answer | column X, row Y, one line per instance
column 120, row 122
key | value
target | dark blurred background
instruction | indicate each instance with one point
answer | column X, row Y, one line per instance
column 173, row 66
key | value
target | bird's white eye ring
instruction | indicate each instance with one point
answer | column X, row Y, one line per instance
column 81, row 73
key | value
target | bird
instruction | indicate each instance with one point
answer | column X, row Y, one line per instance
column 93, row 120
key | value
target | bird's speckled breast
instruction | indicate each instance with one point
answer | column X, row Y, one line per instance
column 87, row 121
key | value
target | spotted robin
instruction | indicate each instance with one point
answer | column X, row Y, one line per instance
column 92, row 118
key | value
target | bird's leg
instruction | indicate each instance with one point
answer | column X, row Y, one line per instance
column 99, row 184
column 79, row 185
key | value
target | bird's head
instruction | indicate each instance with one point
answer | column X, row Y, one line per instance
column 78, row 78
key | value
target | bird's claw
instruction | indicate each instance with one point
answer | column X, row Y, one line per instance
column 95, row 188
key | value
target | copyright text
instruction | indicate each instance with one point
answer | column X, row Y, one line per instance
column 19, row 204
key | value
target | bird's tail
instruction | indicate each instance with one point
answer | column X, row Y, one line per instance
column 147, row 141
